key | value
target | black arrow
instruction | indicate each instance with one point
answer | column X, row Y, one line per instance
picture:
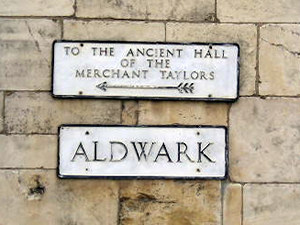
column 182, row 87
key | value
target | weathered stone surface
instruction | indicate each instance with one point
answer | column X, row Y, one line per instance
column 36, row 8
column 184, row 10
column 130, row 112
column 39, row 197
column 232, row 205
column 1, row 110
column 243, row 34
column 258, row 11
column 279, row 59
column 264, row 140
column 170, row 202
column 190, row 113
column 119, row 31
column 271, row 204
column 25, row 59
column 40, row 113
column 23, row 151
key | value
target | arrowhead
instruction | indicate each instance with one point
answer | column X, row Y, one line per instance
column 102, row 86
column 186, row 87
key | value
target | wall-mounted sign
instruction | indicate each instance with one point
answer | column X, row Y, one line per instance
column 145, row 70
column 142, row 152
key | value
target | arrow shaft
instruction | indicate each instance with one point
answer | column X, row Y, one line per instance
column 141, row 87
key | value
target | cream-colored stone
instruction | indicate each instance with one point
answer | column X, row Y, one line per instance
column 170, row 202
column 40, row 113
column 116, row 30
column 271, row 204
column 38, row 197
column 181, row 10
column 183, row 112
column 130, row 112
column 36, row 8
column 258, row 10
column 264, row 140
column 1, row 110
column 232, row 205
column 33, row 151
column 279, row 60
column 243, row 34
column 184, row 10
column 129, row 9
column 25, row 59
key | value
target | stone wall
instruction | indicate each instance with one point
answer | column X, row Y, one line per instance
column 264, row 124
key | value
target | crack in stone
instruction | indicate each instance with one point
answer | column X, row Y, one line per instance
column 35, row 41
column 31, row 34
column 285, row 30
column 294, row 53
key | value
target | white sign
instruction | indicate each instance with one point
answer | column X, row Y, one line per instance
column 150, row 152
column 145, row 70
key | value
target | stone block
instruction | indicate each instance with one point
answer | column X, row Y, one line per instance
column 271, row 204
column 183, row 112
column 264, row 140
column 184, row 10
column 130, row 112
column 28, row 151
column 40, row 113
column 25, row 60
column 258, row 11
column 170, row 202
column 36, row 8
column 232, row 207
column 116, row 30
column 1, row 111
column 279, row 60
column 34, row 197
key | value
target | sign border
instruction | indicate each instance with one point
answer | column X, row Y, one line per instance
column 143, row 177
column 141, row 97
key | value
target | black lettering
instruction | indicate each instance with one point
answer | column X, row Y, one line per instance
column 202, row 75
column 149, row 54
column 96, row 152
column 184, row 152
column 130, row 53
column 212, row 75
column 142, row 152
column 94, row 50
column 78, row 153
column 208, row 54
column 111, row 151
column 179, row 52
column 216, row 54
column 78, row 74
column 163, row 148
column 202, row 153
column 198, row 53
column 223, row 55
column 140, row 52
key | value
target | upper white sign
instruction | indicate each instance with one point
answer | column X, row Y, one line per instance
column 145, row 70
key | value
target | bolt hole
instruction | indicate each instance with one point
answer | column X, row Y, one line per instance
column 87, row 133
column 198, row 133
column 81, row 45
column 86, row 169
column 80, row 92
column 198, row 170
column 210, row 46
column 210, row 95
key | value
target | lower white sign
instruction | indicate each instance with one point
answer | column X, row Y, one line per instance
column 149, row 152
